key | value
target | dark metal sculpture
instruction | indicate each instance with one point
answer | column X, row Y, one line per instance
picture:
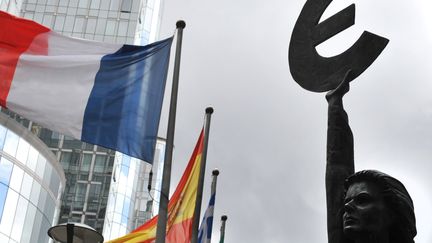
column 367, row 206
column 363, row 207
column 319, row 74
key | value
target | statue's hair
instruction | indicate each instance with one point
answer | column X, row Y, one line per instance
column 397, row 199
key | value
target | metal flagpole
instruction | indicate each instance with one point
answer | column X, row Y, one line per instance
column 166, row 176
column 215, row 174
column 197, row 212
column 222, row 235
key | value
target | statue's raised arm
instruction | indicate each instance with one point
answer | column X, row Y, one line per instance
column 340, row 159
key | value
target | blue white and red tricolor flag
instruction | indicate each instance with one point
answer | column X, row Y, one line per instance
column 105, row 94
column 205, row 230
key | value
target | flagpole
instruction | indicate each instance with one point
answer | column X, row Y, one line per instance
column 197, row 212
column 166, row 176
column 222, row 235
column 215, row 174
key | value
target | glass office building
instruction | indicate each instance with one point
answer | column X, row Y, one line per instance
column 31, row 182
column 11, row 6
column 131, row 197
column 114, row 21
column 89, row 168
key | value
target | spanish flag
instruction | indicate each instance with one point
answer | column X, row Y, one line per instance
column 180, row 208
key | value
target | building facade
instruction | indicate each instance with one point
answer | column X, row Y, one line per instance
column 89, row 168
column 133, row 198
column 11, row 6
column 31, row 182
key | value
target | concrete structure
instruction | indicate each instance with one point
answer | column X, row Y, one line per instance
column 31, row 182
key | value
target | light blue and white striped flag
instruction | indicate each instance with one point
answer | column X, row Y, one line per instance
column 205, row 230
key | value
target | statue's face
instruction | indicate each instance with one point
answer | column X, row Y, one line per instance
column 365, row 212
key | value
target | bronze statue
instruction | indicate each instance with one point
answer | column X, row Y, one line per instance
column 368, row 206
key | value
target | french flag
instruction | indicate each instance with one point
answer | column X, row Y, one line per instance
column 105, row 94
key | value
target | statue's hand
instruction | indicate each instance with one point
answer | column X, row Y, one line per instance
column 340, row 90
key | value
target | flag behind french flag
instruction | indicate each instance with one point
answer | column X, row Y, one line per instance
column 105, row 94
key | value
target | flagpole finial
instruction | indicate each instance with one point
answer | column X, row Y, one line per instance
column 209, row 110
column 224, row 217
column 180, row 24
column 215, row 172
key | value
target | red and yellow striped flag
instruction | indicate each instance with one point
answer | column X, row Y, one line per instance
column 180, row 208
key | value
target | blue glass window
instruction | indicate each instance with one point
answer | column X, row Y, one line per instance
column 126, row 160
column 5, row 170
column 3, row 192
column 126, row 207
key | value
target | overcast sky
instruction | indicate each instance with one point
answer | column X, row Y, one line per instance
column 268, row 135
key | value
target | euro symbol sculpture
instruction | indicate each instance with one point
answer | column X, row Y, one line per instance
column 320, row 74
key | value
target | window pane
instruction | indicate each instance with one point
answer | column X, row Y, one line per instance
column 23, row 150
column 49, row 208
column 58, row 25
column 78, row 28
column 41, row 164
column 65, row 159
column 95, row 4
column 104, row 5
column 83, row 3
column 38, row 17
column 54, row 183
column 122, row 31
column 28, row 15
column 110, row 164
column 126, row 6
column 11, row 143
column 9, row 214
column 126, row 207
column 37, row 221
column 35, row 192
column 100, row 28
column 2, row 135
column 42, row 200
column 91, row 26
column 73, row 3
column 114, row 5
column 29, row 224
column 5, row 170
column 99, row 163
column 19, row 219
column 119, row 203
column 16, row 178
column 26, row 186
column 32, row 158
column 95, row 192
column 110, row 28
column 63, row 2
column 86, row 161
column 69, row 23
column 81, row 189
column 70, row 142
column 62, row 10
column 47, row 174
column 90, row 220
column 3, row 193
column 49, row 137
column 47, row 20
